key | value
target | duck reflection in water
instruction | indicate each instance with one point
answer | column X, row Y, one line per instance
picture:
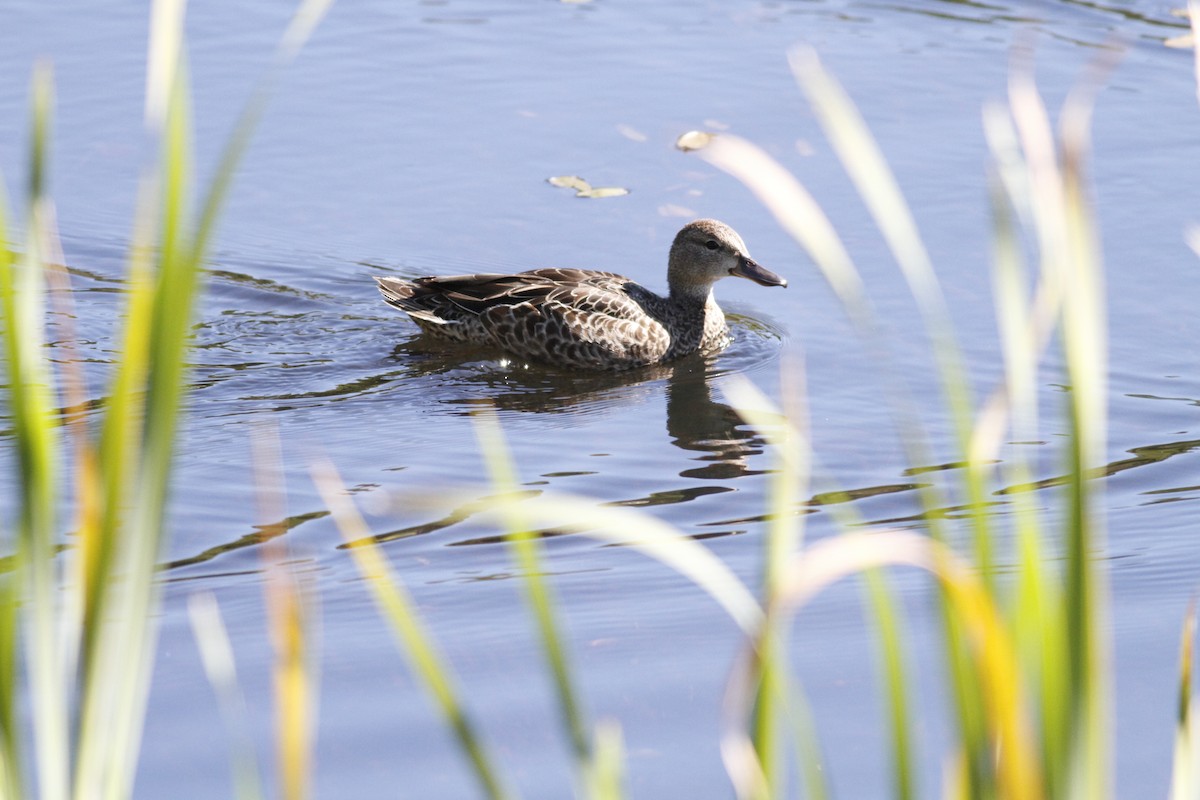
column 695, row 421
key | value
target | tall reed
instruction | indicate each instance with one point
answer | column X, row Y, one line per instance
column 77, row 612
column 1029, row 671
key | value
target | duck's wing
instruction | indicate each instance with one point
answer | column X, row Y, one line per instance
column 593, row 323
column 477, row 292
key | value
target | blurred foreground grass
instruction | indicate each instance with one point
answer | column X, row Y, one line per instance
column 1026, row 653
column 78, row 615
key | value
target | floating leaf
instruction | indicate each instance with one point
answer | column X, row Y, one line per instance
column 603, row 191
column 694, row 140
column 631, row 133
column 672, row 210
column 583, row 188
column 1181, row 42
column 570, row 182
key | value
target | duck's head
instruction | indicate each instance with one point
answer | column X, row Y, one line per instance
column 705, row 251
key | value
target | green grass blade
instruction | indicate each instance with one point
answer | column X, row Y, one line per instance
column 799, row 214
column 624, row 527
column 294, row 683
column 604, row 777
column 527, row 551
column 794, row 208
column 398, row 609
column 118, row 658
column 890, row 638
column 303, row 23
column 138, row 440
column 1071, row 257
column 789, row 444
column 10, row 740
column 868, row 169
column 791, row 480
column 1185, row 775
column 35, row 432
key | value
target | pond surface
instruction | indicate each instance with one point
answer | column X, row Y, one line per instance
column 416, row 138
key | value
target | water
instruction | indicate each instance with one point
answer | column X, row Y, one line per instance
column 417, row 138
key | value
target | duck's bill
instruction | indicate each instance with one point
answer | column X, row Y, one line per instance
column 749, row 268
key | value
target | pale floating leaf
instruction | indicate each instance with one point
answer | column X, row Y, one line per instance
column 672, row 210
column 631, row 133
column 1184, row 42
column 603, row 191
column 570, row 182
column 1179, row 12
column 694, row 140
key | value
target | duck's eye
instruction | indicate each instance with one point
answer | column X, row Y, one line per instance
column 711, row 244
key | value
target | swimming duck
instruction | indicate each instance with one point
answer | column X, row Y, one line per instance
column 584, row 318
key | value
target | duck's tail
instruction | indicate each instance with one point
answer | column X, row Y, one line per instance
column 424, row 308
column 395, row 290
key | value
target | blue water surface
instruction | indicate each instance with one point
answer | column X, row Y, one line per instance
column 416, row 138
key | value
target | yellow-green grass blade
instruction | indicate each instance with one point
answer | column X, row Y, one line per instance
column 291, row 614
column 138, row 441
column 779, row 697
column 1026, row 316
column 289, row 610
column 1185, row 775
column 1084, row 344
column 789, row 445
column 794, row 208
column 993, row 658
column 605, row 773
column 527, row 552
column 399, row 610
column 802, row 217
column 118, row 657
column 216, row 655
column 31, row 404
column 624, row 527
column 792, row 481
column 890, row 638
column 799, row 214
column 303, row 23
column 10, row 633
column 864, row 162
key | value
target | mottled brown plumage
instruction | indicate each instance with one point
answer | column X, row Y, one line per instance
column 584, row 318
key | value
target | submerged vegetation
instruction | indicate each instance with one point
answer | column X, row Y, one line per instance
column 1025, row 650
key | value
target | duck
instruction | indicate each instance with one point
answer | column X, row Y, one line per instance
column 588, row 319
